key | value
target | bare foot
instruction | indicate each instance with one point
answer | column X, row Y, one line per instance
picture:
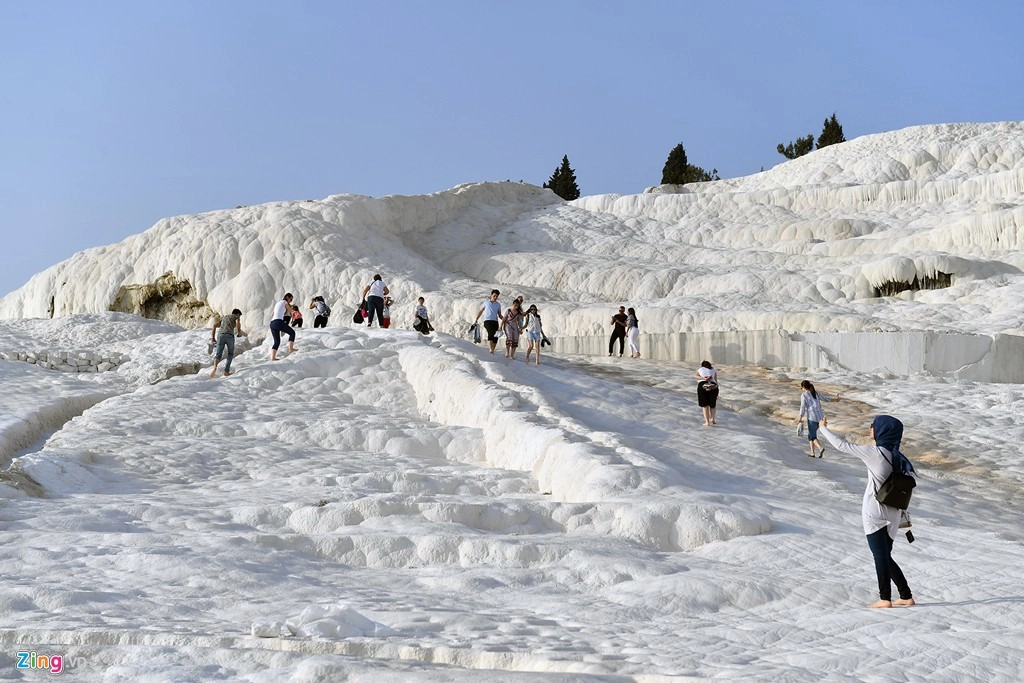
column 881, row 604
column 213, row 373
column 226, row 373
column 707, row 424
column 909, row 602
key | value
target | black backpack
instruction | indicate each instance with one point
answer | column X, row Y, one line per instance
column 897, row 489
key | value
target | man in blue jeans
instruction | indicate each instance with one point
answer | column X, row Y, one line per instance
column 228, row 327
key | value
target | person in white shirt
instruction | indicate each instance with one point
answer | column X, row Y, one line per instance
column 810, row 405
column 422, row 324
column 707, row 391
column 534, row 332
column 633, row 333
column 373, row 295
column 491, row 310
column 278, row 325
column 881, row 522
column 322, row 311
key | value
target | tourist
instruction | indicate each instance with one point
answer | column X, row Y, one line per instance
column 278, row 325
column 373, row 295
column 512, row 326
column 534, row 332
column 618, row 331
column 810, row 405
column 633, row 333
column 707, row 391
column 422, row 324
column 229, row 326
column 491, row 310
column 323, row 311
column 881, row 522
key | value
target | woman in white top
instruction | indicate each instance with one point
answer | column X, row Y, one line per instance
column 373, row 295
column 278, row 325
column 810, row 405
column 881, row 522
column 534, row 332
column 707, row 391
column 633, row 333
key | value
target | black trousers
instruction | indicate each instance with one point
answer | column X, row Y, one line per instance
column 886, row 569
column 618, row 333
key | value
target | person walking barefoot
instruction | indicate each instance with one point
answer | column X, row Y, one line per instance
column 491, row 311
column 881, row 522
column 512, row 326
column 278, row 325
column 810, row 405
column 534, row 332
column 707, row 391
column 618, row 331
column 229, row 326
column 633, row 333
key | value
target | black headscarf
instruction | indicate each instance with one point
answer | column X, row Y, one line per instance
column 888, row 435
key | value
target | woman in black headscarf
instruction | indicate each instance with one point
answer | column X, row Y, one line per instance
column 881, row 522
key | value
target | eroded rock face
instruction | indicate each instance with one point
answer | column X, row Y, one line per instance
column 168, row 299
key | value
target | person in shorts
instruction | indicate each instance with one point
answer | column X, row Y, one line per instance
column 491, row 311
column 534, row 333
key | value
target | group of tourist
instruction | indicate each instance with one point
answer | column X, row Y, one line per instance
column 512, row 324
column 881, row 522
column 625, row 325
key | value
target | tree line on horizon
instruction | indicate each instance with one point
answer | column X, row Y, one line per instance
column 679, row 171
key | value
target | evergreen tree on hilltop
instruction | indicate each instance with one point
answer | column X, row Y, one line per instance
column 563, row 181
column 797, row 148
column 678, row 171
column 674, row 172
column 831, row 133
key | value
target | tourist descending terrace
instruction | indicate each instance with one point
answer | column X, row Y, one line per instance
column 491, row 311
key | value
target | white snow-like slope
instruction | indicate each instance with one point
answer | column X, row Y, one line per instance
column 418, row 509
column 389, row 507
column 800, row 247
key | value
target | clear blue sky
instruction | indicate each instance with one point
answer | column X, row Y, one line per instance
column 116, row 114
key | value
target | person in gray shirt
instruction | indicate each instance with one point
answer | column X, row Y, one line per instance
column 224, row 334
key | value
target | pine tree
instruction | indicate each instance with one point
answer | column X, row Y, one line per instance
column 831, row 133
column 797, row 148
column 678, row 171
column 674, row 172
column 563, row 181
